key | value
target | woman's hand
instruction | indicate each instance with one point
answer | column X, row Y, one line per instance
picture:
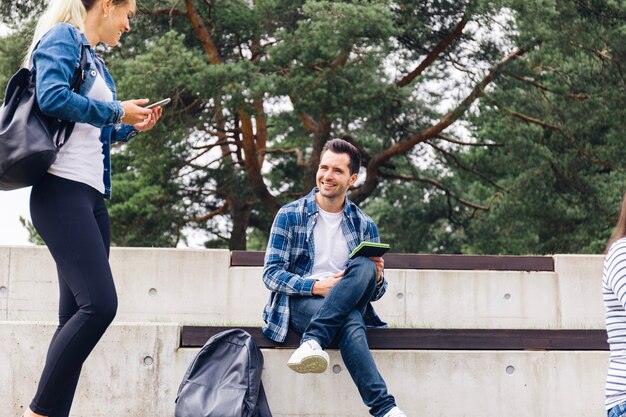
column 139, row 117
column 150, row 121
column 134, row 113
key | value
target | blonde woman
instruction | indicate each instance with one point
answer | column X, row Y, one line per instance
column 67, row 206
column 614, row 295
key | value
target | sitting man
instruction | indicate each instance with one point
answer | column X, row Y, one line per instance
column 317, row 289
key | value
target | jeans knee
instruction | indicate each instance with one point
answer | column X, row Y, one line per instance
column 366, row 267
column 353, row 327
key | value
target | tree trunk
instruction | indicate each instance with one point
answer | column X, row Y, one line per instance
column 240, row 215
column 322, row 135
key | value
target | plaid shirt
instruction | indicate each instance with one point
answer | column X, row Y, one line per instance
column 290, row 253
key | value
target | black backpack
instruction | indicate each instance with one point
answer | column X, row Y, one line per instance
column 224, row 379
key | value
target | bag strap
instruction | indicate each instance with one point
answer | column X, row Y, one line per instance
column 262, row 404
column 78, row 78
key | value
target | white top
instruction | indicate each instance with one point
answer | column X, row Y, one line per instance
column 614, row 295
column 331, row 247
column 80, row 159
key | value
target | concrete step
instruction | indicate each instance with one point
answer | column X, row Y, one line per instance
column 137, row 367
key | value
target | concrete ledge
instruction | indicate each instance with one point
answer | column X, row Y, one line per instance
column 200, row 287
column 136, row 370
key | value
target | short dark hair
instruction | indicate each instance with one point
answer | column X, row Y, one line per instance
column 342, row 146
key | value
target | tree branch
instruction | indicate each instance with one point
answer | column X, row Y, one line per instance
column 581, row 151
column 459, row 142
column 202, row 32
column 449, row 118
column 166, row 12
column 535, row 83
column 402, row 147
column 308, row 122
column 462, row 166
column 434, row 54
column 210, row 146
column 299, row 155
column 211, row 214
column 441, row 187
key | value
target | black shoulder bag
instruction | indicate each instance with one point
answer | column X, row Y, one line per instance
column 30, row 139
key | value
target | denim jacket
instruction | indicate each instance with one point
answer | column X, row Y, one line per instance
column 54, row 61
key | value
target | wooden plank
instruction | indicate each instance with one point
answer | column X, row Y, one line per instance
column 434, row 339
column 441, row 262
column 246, row 258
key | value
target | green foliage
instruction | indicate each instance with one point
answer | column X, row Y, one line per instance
column 12, row 49
column 33, row 236
column 561, row 153
column 543, row 172
column 15, row 12
column 412, row 220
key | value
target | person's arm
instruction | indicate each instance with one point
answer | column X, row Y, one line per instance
column 124, row 133
column 276, row 275
column 55, row 60
column 616, row 272
column 371, row 235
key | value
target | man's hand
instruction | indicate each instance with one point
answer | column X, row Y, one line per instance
column 323, row 285
column 380, row 264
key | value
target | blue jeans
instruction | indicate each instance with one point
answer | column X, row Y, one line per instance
column 618, row 411
column 339, row 316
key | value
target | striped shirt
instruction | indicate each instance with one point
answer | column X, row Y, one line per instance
column 614, row 295
column 290, row 256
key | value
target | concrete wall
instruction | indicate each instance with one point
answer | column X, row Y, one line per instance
column 136, row 370
column 137, row 367
column 198, row 286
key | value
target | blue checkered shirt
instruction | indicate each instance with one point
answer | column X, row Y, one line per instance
column 290, row 253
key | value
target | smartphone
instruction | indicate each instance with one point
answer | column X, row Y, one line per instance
column 159, row 103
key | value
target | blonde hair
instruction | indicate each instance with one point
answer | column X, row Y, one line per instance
column 58, row 11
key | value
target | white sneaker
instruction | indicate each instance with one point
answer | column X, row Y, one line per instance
column 309, row 358
column 395, row 412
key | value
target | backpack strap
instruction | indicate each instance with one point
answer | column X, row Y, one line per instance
column 262, row 405
column 78, row 78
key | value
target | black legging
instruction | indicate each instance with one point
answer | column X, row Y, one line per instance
column 72, row 219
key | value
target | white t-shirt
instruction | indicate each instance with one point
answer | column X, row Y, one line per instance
column 80, row 159
column 331, row 247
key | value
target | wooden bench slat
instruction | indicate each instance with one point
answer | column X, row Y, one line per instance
column 434, row 339
column 442, row 262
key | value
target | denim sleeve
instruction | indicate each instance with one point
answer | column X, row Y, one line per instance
column 275, row 274
column 55, row 60
column 124, row 133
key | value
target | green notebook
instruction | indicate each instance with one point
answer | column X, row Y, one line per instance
column 369, row 249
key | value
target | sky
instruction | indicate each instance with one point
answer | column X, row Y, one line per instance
column 14, row 204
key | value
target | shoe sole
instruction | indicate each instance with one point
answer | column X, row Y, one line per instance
column 310, row 365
